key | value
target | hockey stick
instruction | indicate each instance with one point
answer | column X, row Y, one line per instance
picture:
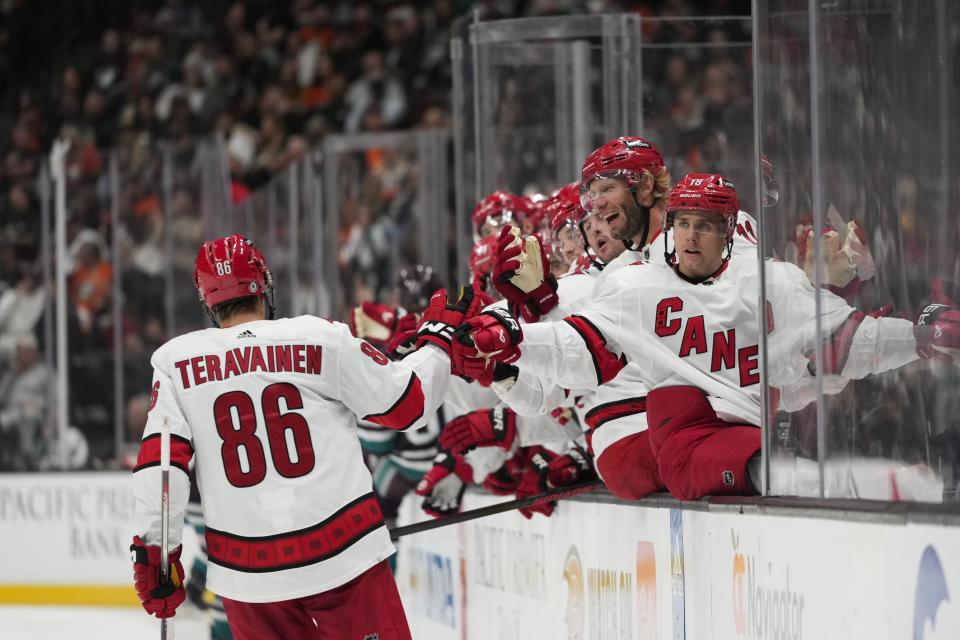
column 509, row 505
column 165, row 518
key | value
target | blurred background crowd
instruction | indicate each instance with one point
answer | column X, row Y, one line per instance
column 178, row 114
column 146, row 82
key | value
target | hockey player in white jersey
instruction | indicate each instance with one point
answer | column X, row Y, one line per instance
column 692, row 324
column 295, row 539
column 624, row 184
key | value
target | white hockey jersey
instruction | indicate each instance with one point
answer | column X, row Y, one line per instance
column 619, row 406
column 707, row 335
column 269, row 408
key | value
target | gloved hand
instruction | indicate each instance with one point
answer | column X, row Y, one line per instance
column 494, row 334
column 538, row 461
column 404, row 338
column 847, row 265
column 573, row 467
column 522, row 274
column 373, row 322
column 937, row 331
column 441, row 318
column 505, row 480
column 159, row 599
column 486, row 427
column 501, row 482
column 444, row 484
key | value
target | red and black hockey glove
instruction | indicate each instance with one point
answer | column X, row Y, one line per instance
column 442, row 317
column 494, row 334
column 373, row 322
column 573, row 467
column 937, row 331
column 487, row 427
column 404, row 339
column 158, row 598
column 505, row 480
column 522, row 274
column 538, row 462
column 443, row 486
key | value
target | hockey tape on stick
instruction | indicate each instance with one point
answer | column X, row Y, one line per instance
column 510, row 505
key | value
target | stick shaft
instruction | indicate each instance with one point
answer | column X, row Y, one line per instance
column 510, row 505
column 164, row 511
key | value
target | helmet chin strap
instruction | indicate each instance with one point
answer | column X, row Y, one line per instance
column 645, row 212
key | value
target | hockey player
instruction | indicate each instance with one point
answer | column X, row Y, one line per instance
column 295, row 539
column 563, row 213
column 692, row 324
column 496, row 210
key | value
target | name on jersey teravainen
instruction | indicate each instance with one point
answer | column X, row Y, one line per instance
column 724, row 354
column 293, row 358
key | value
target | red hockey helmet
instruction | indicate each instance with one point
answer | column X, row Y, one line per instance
column 626, row 157
column 563, row 210
column 230, row 268
column 531, row 207
column 497, row 209
column 704, row 192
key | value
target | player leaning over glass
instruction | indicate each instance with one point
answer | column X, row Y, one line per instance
column 295, row 539
column 692, row 325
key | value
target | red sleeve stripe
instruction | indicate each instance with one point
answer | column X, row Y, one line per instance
column 838, row 349
column 180, row 453
column 604, row 413
column 298, row 548
column 405, row 411
column 606, row 363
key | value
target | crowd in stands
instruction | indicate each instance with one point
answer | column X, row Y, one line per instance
column 144, row 83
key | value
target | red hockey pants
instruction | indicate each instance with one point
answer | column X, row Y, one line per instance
column 697, row 453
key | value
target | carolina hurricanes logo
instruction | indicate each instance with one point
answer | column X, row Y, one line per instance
column 153, row 395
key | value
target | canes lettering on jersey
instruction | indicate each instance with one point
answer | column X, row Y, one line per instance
column 723, row 345
column 296, row 358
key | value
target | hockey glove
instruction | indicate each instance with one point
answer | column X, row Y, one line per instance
column 531, row 484
column 442, row 317
column 158, row 598
column 506, row 480
column 444, row 484
column 487, row 427
column 573, row 467
column 494, row 334
column 404, row 338
column 373, row 322
column 937, row 331
column 522, row 274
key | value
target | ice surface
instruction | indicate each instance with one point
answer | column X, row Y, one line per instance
column 32, row 622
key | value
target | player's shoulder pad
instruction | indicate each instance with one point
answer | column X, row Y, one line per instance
column 186, row 342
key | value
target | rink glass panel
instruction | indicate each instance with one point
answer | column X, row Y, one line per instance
column 532, row 97
column 856, row 114
column 385, row 207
